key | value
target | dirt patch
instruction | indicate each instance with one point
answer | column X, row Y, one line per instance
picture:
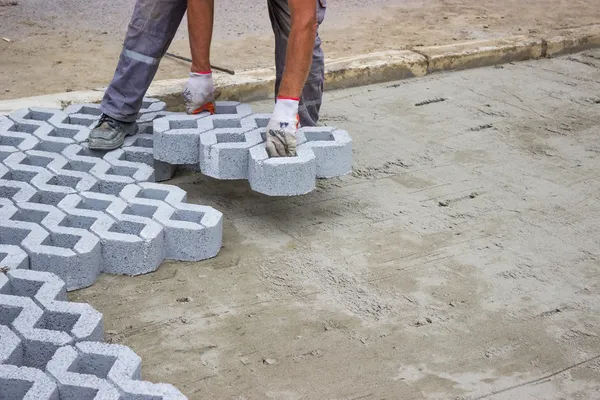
column 48, row 53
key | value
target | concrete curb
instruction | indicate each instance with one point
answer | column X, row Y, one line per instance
column 357, row 70
column 573, row 41
column 481, row 53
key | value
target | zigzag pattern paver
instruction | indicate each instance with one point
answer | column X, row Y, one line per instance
column 231, row 145
column 69, row 210
column 51, row 349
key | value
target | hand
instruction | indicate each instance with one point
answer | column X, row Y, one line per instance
column 281, row 138
column 199, row 93
column 282, row 128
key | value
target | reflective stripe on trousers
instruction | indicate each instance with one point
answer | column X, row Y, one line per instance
column 151, row 30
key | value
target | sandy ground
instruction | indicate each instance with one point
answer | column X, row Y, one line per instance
column 63, row 45
column 459, row 260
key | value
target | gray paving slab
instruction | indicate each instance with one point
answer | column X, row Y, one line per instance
column 59, row 200
column 51, row 348
column 282, row 176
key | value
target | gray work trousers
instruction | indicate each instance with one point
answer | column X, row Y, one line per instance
column 151, row 30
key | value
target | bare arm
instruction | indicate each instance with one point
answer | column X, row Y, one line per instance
column 200, row 15
column 300, row 47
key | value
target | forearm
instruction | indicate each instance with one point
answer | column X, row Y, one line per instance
column 200, row 15
column 299, row 52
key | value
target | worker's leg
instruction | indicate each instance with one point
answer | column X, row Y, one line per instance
column 151, row 30
column 312, row 94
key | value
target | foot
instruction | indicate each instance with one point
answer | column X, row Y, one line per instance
column 110, row 134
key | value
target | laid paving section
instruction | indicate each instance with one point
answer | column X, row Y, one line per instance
column 231, row 145
column 75, row 212
column 52, row 349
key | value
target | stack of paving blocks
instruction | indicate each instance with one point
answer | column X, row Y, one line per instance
column 75, row 212
column 52, row 349
column 231, row 145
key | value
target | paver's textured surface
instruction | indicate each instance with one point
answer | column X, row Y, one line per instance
column 76, row 212
column 282, row 176
column 51, row 349
column 231, row 145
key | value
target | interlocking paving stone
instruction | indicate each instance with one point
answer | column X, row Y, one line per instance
column 232, row 146
column 60, row 204
column 51, row 349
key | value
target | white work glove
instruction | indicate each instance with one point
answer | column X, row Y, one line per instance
column 282, row 128
column 199, row 93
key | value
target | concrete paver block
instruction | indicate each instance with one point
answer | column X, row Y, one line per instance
column 53, row 128
column 35, row 114
column 40, row 286
column 122, row 367
column 148, row 250
column 86, row 115
column 332, row 148
column 139, row 172
column 177, row 138
column 34, row 328
column 224, row 153
column 18, row 136
column 151, row 105
column 232, row 121
column 32, row 168
column 63, row 174
column 17, row 233
column 76, row 376
column 65, row 129
column 229, row 147
column 72, row 253
column 26, row 384
column 131, row 244
column 232, row 108
column 261, row 120
column 192, row 232
column 282, row 176
column 79, row 320
column 170, row 194
column 15, row 190
column 11, row 347
column 13, row 257
column 109, row 180
column 140, row 148
column 51, row 348
column 52, row 242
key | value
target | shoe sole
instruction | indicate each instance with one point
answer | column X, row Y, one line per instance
column 106, row 146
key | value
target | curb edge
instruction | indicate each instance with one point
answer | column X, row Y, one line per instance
column 364, row 69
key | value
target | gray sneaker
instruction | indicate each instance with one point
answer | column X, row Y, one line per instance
column 110, row 134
